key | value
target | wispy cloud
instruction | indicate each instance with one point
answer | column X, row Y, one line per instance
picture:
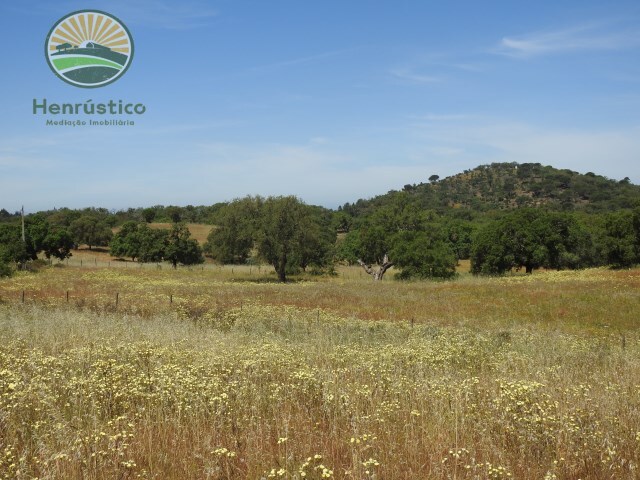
column 444, row 117
column 590, row 37
column 435, row 67
column 411, row 76
column 300, row 60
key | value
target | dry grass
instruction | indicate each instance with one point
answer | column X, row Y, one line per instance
column 198, row 231
column 520, row 377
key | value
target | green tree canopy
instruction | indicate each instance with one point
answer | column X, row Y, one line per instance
column 181, row 248
column 91, row 230
column 232, row 239
column 40, row 236
column 401, row 234
column 140, row 242
column 58, row 244
column 621, row 242
column 531, row 238
column 285, row 232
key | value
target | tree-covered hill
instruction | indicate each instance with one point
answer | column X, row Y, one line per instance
column 501, row 216
column 503, row 186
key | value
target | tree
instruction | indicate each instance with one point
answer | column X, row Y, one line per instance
column 174, row 213
column 140, row 242
column 402, row 235
column 460, row 235
column 58, row 244
column 63, row 47
column 280, row 232
column 434, row 178
column 36, row 230
column 5, row 269
column 232, row 239
column 40, row 236
column 127, row 242
column 636, row 230
column 181, row 248
column 153, row 244
column 530, row 238
column 91, row 230
column 149, row 214
column 424, row 255
column 284, row 231
column 621, row 239
column 372, row 246
column 12, row 248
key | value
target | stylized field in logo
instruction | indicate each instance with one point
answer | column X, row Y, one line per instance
column 89, row 48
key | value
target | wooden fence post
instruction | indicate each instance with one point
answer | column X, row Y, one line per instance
column 117, row 299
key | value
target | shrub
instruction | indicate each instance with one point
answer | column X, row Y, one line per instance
column 5, row 270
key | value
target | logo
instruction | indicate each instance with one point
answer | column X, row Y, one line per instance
column 89, row 48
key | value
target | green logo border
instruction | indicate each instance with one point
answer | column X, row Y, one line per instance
column 60, row 20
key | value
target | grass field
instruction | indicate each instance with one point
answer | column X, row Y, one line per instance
column 223, row 374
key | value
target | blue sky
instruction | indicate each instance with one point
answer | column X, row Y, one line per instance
column 330, row 101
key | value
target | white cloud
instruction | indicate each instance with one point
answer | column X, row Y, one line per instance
column 583, row 37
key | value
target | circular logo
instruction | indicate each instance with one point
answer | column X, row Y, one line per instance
column 89, row 48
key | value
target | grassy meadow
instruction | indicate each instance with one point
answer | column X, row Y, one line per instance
column 116, row 371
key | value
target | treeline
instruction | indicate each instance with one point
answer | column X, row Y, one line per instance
column 293, row 237
column 501, row 217
column 426, row 244
column 56, row 237
column 156, row 214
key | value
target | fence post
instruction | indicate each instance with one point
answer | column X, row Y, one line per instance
column 22, row 296
column 117, row 298
column 67, row 296
column 171, row 298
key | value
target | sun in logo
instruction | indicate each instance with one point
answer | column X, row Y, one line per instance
column 89, row 48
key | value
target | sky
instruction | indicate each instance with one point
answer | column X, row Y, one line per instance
column 329, row 100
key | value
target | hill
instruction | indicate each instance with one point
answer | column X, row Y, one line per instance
column 502, row 186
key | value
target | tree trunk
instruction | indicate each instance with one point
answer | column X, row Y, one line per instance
column 282, row 269
column 377, row 274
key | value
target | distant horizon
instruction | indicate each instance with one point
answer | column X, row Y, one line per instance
column 255, row 98
column 426, row 181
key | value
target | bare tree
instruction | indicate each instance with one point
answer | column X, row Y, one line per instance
column 379, row 273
